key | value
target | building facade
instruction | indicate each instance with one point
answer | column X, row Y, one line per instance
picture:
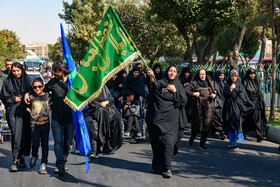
column 40, row 49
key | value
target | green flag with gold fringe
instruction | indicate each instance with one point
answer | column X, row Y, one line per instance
column 110, row 51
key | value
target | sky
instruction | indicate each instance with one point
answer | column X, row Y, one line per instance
column 32, row 20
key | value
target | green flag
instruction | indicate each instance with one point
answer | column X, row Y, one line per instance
column 110, row 51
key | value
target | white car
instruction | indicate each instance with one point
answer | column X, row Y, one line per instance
column 34, row 74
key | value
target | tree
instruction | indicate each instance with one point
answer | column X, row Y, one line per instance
column 199, row 18
column 152, row 38
column 84, row 17
column 250, row 44
column 55, row 52
column 10, row 46
column 245, row 12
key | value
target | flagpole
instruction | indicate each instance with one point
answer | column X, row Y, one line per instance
column 146, row 65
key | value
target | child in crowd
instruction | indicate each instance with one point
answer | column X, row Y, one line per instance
column 40, row 124
column 131, row 114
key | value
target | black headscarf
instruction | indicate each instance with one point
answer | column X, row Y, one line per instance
column 251, row 85
column 135, row 84
column 219, row 84
column 182, row 76
column 207, row 82
column 119, row 80
column 13, row 87
column 159, row 75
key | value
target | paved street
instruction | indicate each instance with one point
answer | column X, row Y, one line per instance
column 254, row 164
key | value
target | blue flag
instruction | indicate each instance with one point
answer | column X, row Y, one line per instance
column 82, row 137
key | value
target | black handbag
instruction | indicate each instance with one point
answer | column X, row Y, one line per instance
column 132, row 111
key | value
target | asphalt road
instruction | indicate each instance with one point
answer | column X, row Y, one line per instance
column 254, row 164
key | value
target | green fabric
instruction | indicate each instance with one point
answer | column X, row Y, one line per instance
column 110, row 50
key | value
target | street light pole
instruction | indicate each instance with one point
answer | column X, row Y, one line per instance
column 272, row 106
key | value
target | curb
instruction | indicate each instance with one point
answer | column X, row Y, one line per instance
column 272, row 134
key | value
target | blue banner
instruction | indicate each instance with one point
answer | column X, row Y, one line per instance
column 81, row 132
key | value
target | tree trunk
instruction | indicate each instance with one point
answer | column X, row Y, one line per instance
column 237, row 48
column 189, row 50
column 209, row 49
column 154, row 56
column 272, row 106
column 199, row 51
column 263, row 40
column 215, row 57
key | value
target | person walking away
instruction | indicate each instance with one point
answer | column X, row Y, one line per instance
column 256, row 121
column 202, row 91
column 40, row 125
column 237, row 105
column 166, row 119
column 14, row 87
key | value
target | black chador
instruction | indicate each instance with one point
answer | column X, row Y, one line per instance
column 16, row 116
column 202, row 108
column 219, row 104
column 135, row 84
column 166, row 119
column 237, row 105
column 104, row 124
column 256, row 121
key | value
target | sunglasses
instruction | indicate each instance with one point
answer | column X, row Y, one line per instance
column 35, row 87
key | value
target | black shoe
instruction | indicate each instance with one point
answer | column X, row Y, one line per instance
column 156, row 172
column 32, row 163
column 21, row 163
column 167, row 174
column 191, row 142
column 203, row 148
column 233, row 148
column 59, row 171
column 223, row 136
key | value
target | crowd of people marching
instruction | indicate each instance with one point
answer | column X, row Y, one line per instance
column 230, row 107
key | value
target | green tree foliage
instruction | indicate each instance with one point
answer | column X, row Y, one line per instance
column 84, row 17
column 55, row 52
column 153, row 38
column 10, row 46
column 250, row 44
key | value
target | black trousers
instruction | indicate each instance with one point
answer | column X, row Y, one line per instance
column 203, row 137
column 162, row 147
column 132, row 122
column 92, row 127
column 20, row 130
column 40, row 134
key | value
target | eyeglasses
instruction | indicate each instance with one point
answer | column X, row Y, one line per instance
column 35, row 87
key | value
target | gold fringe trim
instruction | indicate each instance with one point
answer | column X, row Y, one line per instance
column 104, row 81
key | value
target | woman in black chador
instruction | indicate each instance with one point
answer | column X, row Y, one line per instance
column 185, row 76
column 202, row 91
column 185, row 79
column 104, row 124
column 257, row 120
column 219, row 84
column 135, row 82
column 166, row 119
column 117, row 86
column 237, row 106
column 15, row 86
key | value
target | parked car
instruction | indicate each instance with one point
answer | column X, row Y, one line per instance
column 34, row 74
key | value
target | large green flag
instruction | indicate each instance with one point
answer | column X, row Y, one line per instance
column 110, row 51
